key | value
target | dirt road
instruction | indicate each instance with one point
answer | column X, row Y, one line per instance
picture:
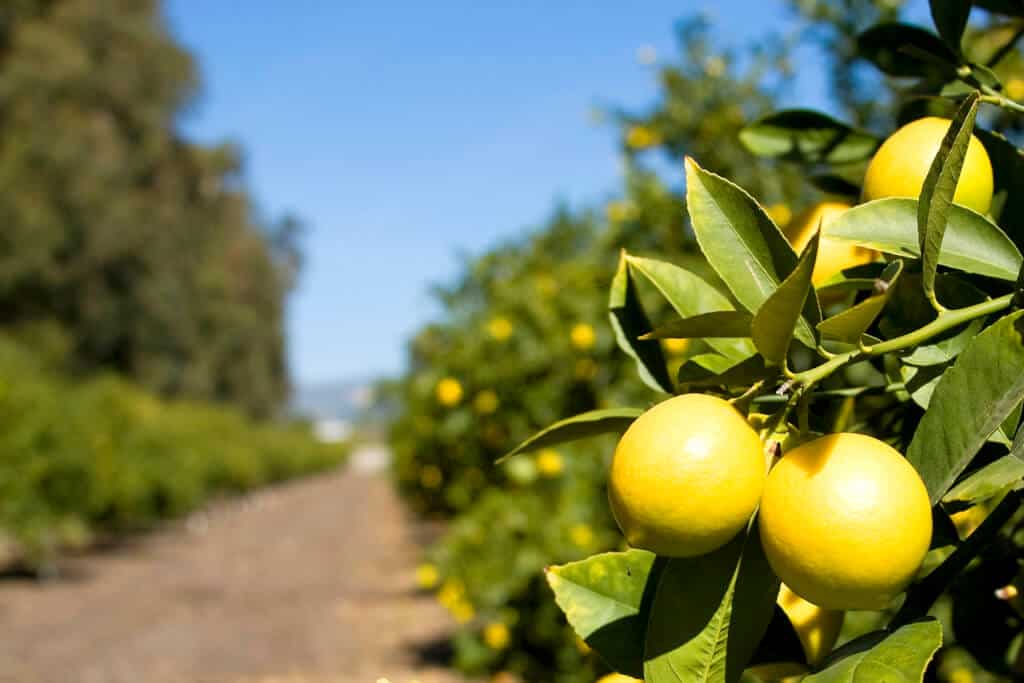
column 308, row 582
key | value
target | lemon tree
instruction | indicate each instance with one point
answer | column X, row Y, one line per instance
column 848, row 438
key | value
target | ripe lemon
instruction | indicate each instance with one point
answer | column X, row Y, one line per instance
column 845, row 521
column 686, row 476
column 901, row 164
column 618, row 678
column 833, row 255
column 817, row 629
column 449, row 392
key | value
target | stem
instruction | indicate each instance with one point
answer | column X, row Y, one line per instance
column 946, row 320
column 923, row 595
column 995, row 97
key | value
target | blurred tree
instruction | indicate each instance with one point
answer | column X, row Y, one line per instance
column 142, row 248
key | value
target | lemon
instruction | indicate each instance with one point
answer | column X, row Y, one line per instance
column 817, row 628
column 845, row 521
column 641, row 137
column 618, row 678
column 449, row 392
column 833, row 255
column 676, row 347
column 486, row 402
column 686, row 476
column 496, row 635
column 549, row 462
column 499, row 328
column 901, row 164
column 582, row 336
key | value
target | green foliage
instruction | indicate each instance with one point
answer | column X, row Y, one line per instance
column 140, row 246
column 91, row 459
column 871, row 361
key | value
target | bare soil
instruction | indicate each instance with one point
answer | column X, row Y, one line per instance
column 307, row 582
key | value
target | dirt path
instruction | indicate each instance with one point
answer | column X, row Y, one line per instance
column 309, row 582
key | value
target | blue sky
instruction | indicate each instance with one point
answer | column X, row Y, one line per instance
column 406, row 133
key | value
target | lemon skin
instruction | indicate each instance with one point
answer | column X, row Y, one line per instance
column 901, row 164
column 618, row 678
column 833, row 255
column 686, row 476
column 845, row 521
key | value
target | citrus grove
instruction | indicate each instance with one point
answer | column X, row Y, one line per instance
column 819, row 462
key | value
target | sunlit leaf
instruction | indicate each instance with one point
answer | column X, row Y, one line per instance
column 776, row 322
column 809, row 136
column 898, row 657
column 592, row 423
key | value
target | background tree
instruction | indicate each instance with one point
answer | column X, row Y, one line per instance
column 141, row 249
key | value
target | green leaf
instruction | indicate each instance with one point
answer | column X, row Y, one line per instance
column 898, row 657
column 629, row 321
column 907, row 51
column 702, row 371
column 690, row 295
column 779, row 317
column 592, row 423
column 970, row 402
column 716, row 324
column 972, row 243
column 940, row 185
column 606, row 599
column 850, row 324
column 807, row 136
column 988, row 482
column 950, row 17
column 740, row 241
column 709, row 614
column 944, row 350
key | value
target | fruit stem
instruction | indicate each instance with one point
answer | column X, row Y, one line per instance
column 992, row 96
column 923, row 595
column 946, row 320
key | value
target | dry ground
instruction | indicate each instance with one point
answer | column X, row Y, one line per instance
column 308, row 582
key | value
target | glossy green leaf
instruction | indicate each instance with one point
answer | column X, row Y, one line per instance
column 946, row 349
column 779, row 317
column 807, row 136
column 740, row 241
column 701, row 371
column 950, row 17
column 988, row 482
column 606, row 600
column 971, row 401
column 629, row 321
column 592, row 423
column 907, row 51
column 851, row 324
column 716, row 324
column 940, row 185
column 690, row 295
column 972, row 243
column 709, row 613
column 898, row 657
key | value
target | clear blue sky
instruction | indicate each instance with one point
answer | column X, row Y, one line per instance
column 405, row 133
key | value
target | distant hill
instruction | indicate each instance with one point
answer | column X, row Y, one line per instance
column 341, row 400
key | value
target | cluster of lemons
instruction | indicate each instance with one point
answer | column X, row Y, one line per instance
column 844, row 519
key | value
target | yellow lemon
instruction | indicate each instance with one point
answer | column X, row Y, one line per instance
column 676, row 347
column 427, row 576
column 780, row 213
column 581, row 535
column 901, row 164
column 549, row 462
column 817, row 628
column 618, row 678
column 833, row 255
column 486, row 402
column 449, row 392
column 686, row 476
column 1015, row 88
column 845, row 521
column 641, row 137
column 496, row 635
column 499, row 328
column 582, row 336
